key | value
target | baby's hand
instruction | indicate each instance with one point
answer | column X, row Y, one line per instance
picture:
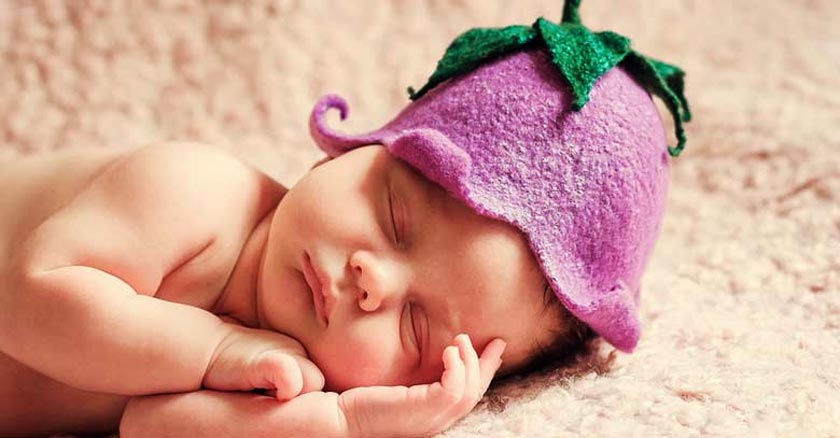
column 249, row 359
column 423, row 410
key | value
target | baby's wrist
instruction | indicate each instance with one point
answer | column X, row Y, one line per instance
column 346, row 424
column 226, row 338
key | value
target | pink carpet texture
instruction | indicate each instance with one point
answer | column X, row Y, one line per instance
column 741, row 300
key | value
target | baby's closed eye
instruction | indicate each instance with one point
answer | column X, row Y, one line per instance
column 417, row 332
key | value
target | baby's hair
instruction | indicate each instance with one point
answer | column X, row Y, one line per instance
column 570, row 339
column 574, row 350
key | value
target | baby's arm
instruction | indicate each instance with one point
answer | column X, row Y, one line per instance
column 77, row 299
column 420, row 410
column 232, row 415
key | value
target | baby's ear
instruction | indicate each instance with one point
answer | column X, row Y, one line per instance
column 321, row 161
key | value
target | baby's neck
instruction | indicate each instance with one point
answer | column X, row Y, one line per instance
column 238, row 299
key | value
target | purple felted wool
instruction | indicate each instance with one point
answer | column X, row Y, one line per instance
column 587, row 188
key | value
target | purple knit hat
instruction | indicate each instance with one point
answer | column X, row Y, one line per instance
column 586, row 187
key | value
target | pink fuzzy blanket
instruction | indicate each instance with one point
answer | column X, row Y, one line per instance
column 741, row 302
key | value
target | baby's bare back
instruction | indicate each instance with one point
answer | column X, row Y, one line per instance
column 33, row 188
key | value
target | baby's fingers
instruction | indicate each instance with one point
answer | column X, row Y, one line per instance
column 473, row 388
column 313, row 378
column 281, row 372
column 453, row 380
column 490, row 361
column 465, row 378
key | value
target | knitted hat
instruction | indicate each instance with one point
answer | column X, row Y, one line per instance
column 549, row 128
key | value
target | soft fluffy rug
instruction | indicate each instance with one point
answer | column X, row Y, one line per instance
column 741, row 303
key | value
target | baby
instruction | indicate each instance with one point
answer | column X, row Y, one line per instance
column 206, row 235
column 175, row 291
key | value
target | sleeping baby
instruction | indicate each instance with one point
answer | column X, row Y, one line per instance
column 494, row 226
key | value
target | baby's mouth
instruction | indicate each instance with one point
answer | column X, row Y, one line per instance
column 315, row 287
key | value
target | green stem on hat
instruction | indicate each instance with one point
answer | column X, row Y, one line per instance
column 666, row 82
column 582, row 56
column 570, row 12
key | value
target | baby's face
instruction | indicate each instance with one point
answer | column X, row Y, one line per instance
column 403, row 267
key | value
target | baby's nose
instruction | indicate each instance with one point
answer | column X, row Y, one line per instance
column 376, row 280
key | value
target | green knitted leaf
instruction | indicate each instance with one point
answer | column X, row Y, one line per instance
column 581, row 55
column 474, row 48
column 674, row 77
column 666, row 82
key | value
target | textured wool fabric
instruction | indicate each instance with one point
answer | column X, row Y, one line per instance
column 741, row 297
column 587, row 187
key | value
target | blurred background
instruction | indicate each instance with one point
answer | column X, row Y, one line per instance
column 741, row 302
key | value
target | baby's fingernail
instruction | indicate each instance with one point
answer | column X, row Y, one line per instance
column 458, row 338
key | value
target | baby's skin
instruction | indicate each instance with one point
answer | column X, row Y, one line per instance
column 173, row 290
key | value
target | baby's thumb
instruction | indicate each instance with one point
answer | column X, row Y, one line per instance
column 313, row 378
column 279, row 371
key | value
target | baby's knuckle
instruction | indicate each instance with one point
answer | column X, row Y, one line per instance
column 285, row 360
column 266, row 363
column 279, row 364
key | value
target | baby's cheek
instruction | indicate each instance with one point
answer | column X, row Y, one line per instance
column 350, row 363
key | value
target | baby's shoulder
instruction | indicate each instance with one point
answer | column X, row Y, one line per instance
column 152, row 209
column 202, row 181
column 201, row 173
column 191, row 164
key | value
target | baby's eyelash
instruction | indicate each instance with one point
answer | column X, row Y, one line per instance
column 393, row 220
column 414, row 329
